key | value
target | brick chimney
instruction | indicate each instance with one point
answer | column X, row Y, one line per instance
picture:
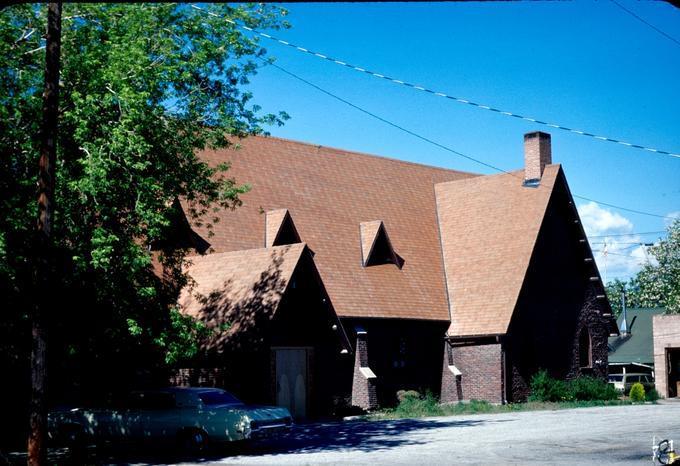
column 537, row 154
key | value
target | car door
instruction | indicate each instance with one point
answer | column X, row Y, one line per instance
column 161, row 418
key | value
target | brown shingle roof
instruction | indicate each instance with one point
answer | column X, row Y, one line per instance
column 329, row 193
column 489, row 226
column 239, row 288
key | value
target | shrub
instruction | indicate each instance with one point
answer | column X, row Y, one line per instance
column 586, row 388
column 637, row 392
column 545, row 388
column 589, row 388
column 406, row 394
column 415, row 405
column 652, row 395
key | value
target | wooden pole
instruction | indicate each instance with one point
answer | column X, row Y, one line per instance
column 37, row 448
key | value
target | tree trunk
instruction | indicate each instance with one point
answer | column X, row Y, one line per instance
column 37, row 448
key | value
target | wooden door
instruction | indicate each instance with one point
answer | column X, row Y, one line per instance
column 292, row 381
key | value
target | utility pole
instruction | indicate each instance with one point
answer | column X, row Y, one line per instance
column 37, row 448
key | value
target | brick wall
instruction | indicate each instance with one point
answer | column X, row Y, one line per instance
column 666, row 330
column 481, row 378
column 364, row 394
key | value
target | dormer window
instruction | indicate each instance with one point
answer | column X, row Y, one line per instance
column 376, row 247
column 280, row 229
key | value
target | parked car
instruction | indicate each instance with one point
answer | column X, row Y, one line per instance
column 623, row 382
column 192, row 418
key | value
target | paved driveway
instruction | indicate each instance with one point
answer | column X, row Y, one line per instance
column 611, row 435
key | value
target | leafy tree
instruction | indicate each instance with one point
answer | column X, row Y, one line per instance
column 615, row 289
column 655, row 285
column 659, row 284
column 143, row 88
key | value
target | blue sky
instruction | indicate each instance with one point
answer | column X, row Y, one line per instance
column 584, row 65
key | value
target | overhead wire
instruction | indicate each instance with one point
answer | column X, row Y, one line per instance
column 443, row 146
column 433, row 92
column 647, row 23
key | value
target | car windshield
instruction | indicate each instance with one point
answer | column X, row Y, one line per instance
column 615, row 378
column 219, row 398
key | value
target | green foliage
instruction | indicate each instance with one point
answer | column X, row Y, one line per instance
column 652, row 395
column 143, row 87
column 657, row 284
column 585, row 388
column 415, row 405
column 427, row 406
column 545, row 388
column 637, row 392
column 590, row 388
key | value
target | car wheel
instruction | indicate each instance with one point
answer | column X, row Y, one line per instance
column 194, row 441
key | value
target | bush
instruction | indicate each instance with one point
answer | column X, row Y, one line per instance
column 589, row 388
column 412, row 404
column 637, row 392
column 652, row 395
column 545, row 388
column 407, row 394
column 586, row 388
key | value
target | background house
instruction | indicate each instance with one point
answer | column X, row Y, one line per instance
column 633, row 349
column 422, row 278
column 666, row 330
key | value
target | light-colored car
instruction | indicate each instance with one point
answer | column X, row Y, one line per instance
column 189, row 417
column 623, row 382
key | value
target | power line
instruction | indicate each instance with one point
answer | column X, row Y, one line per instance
column 433, row 92
column 394, row 125
column 642, row 20
column 628, row 234
column 437, row 144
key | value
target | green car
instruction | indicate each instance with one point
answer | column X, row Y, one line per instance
column 192, row 418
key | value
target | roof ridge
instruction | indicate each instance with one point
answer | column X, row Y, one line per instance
column 363, row 154
column 495, row 175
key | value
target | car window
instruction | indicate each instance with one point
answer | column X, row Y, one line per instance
column 633, row 378
column 152, row 400
column 219, row 398
column 616, row 378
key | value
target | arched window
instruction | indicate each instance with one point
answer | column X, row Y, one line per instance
column 585, row 348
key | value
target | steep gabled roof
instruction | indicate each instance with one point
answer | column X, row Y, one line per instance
column 279, row 228
column 239, row 288
column 489, row 226
column 328, row 193
column 376, row 247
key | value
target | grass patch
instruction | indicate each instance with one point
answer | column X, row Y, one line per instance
column 428, row 406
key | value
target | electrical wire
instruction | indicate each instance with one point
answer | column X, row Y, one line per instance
column 433, row 92
column 442, row 146
column 628, row 234
column 643, row 21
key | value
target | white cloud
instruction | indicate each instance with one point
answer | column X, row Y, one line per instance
column 615, row 256
column 671, row 217
column 598, row 221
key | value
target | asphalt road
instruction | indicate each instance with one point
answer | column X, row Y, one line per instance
column 619, row 435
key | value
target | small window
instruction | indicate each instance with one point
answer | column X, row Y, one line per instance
column 584, row 348
column 376, row 247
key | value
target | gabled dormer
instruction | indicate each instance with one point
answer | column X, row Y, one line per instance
column 279, row 229
column 376, row 247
